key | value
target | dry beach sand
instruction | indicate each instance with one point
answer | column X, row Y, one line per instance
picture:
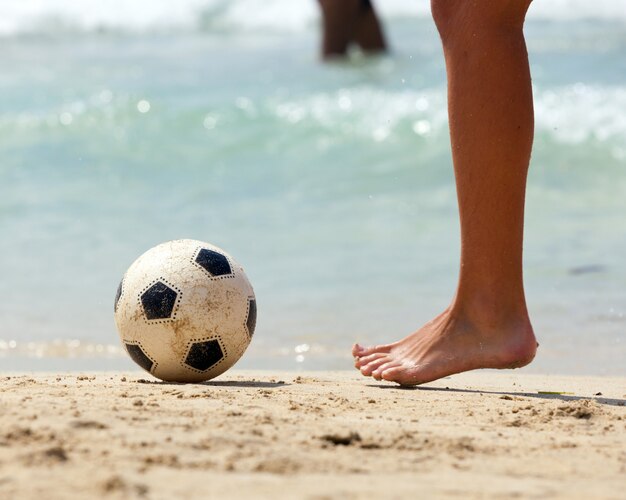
column 311, row 435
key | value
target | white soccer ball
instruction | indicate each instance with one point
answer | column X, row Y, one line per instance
column 185, row 311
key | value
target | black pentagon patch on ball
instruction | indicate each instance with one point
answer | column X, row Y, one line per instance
column 158, row 301
column 251, row 321
column 203, row 355
column 138, row 356
column 214, row 262
column 118, row 294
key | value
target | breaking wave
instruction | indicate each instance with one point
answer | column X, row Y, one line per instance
column 47, row 17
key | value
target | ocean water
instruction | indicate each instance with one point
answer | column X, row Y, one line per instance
column 125, row 124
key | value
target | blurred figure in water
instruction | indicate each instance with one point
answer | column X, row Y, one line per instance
column 350, row 21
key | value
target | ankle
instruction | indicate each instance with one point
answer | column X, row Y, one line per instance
column 505, row 328
column 492, row 311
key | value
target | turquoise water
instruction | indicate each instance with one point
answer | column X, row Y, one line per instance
column 332, row 184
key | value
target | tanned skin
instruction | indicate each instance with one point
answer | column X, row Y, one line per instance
column 491, row 118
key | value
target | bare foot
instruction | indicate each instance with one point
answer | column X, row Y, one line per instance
column 450, row 343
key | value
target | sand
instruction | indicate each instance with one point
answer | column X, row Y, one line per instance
column 311, row 435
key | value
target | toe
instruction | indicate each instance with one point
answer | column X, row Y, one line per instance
column 373, row 365
column 365, row 360
column 377, row 373
column 393, row 373
column 404, row 376
column 357, row 350
column 393, row 364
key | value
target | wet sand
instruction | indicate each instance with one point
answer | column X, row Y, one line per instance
column 311, row 435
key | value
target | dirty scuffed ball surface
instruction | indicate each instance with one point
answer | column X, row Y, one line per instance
column 185, row 311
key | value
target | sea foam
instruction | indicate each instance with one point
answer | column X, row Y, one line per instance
column 279, row 16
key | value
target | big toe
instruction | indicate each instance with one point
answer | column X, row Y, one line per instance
column 357, row 350
column 360, row 351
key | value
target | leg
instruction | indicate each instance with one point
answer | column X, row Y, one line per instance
column 491, row 126
column 347, row 21
column 339, row 18
column 368, row 33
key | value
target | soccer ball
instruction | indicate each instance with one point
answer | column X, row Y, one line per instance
column 185, row 311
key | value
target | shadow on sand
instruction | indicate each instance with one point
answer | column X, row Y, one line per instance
column 219, row 383
column 536, row 395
